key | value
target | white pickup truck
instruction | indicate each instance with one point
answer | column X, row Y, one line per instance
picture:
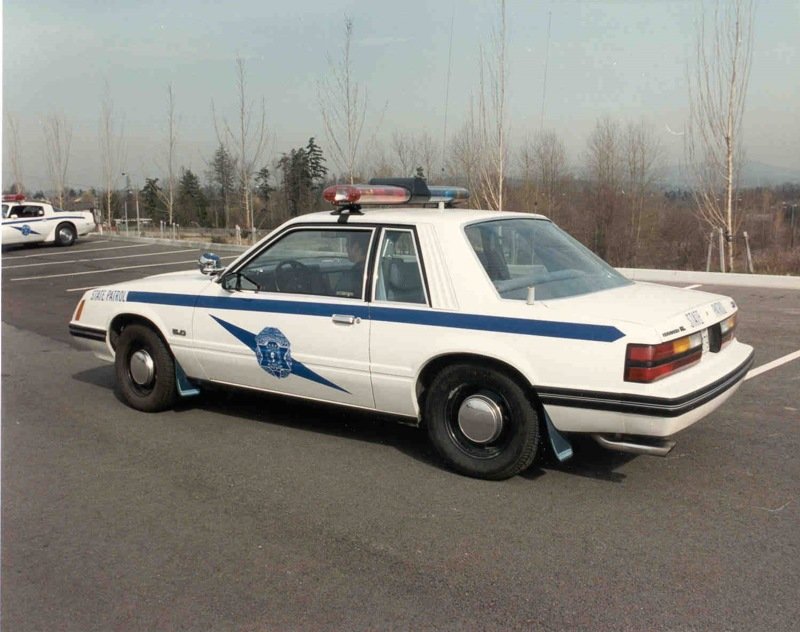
column 35, row 222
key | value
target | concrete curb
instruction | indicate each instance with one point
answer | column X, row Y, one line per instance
column 713, row 278
column 200, row 245
column 637, row 274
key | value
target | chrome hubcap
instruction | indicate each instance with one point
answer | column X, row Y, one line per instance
column 142, row 368
column 65, row 234
column 480, row 418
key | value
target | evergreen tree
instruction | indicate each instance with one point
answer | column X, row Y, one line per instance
column 151, row 200
column 222, row 175
column 296, row 179
column 316, row 169
column 263, row 188
column 192, row 204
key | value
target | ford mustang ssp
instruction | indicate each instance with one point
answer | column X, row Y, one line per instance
column 496, row 331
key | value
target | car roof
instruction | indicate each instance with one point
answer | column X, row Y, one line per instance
column 411, row 215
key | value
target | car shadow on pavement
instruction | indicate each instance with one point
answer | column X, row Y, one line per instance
column 590, row 460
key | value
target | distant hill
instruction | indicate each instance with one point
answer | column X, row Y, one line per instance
column 754, row 174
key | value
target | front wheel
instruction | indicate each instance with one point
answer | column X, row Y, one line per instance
column 65, row 235
column 481, row 422
column 145, row 370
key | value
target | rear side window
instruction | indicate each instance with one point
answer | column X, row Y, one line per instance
column 520, row 254
column 399, row 277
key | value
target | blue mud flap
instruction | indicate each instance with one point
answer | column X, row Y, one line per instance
column 185, row 387
column 561, row 446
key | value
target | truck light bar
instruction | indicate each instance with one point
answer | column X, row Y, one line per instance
column 14, row 197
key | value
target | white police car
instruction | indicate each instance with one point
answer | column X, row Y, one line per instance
column 497, row 331
column 30, row 222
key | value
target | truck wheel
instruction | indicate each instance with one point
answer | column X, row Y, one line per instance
column 65, row 234
column 481, row 422
column 145, row 370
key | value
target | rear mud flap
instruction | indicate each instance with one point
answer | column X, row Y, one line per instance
column 562, row 448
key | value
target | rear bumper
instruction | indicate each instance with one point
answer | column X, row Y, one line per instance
column 591, row 411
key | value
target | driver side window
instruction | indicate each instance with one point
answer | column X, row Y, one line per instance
column 314, row 261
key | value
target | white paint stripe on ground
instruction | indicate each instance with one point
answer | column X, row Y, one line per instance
column 691, row 287
column 81, row 289
column 91, row 287
column 53, row 254
column 61, row 263
column 67, row 274
column 772, row 365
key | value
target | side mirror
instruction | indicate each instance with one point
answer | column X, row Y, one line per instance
column 209, row 263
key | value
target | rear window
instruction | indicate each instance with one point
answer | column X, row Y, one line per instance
column 518, row 254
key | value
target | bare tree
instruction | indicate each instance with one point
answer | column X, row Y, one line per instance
column 14, row 153
column 249, row 140
column 605, row 166
column 717, row 90
column 543, row 160
column 428, row 152
column 405, row 151
column 112, row 147
column 343, row 105
column 464, row 157
column 57, row 140
column 169, row 192
column 492, row 115
column 642, row 155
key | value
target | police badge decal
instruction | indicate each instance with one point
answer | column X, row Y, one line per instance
column 274, row 352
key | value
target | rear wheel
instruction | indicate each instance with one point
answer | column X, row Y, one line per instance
column 145, row 370
column 481, row 422
column 65, row 234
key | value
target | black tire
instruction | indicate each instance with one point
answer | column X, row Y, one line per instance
column 65, row 234
column 157, row 389
column 500, row 457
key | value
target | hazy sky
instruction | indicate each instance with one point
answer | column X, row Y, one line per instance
column 624, row 59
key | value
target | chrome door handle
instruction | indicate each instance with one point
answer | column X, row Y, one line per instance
column 344, row 319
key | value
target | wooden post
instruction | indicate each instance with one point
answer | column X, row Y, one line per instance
column 749, row 255
column 710, row 248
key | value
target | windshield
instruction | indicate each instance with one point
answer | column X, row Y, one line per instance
column 518, row 254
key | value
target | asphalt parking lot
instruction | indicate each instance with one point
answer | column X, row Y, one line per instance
column 246, row 512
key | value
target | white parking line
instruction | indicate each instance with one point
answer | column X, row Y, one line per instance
column 60, row 263
column 772, row 365
column 66, row 274
column 91, row 287
column 81, row 289
column 691, row 287
column 64, row 252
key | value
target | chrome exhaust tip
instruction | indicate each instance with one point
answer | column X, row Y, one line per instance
column 653, row 447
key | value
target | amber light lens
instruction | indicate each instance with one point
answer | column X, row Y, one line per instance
column 79, row 310
column 648, row 363
column 727, row 328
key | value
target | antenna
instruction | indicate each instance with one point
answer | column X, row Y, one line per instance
column 447, row 86
column 546, row 61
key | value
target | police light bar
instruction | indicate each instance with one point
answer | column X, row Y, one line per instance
column 360, row 194
column 421, row 193
column 14, row 197
column 448, row 195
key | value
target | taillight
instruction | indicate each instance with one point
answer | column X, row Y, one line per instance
column 648, row 363
column 726, row 329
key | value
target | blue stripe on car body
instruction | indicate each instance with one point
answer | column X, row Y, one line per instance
column 477, row 322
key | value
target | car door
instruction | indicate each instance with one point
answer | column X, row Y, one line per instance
column 24, row 224
column 292, row 318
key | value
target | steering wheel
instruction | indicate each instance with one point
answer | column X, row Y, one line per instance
column 292, row 276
